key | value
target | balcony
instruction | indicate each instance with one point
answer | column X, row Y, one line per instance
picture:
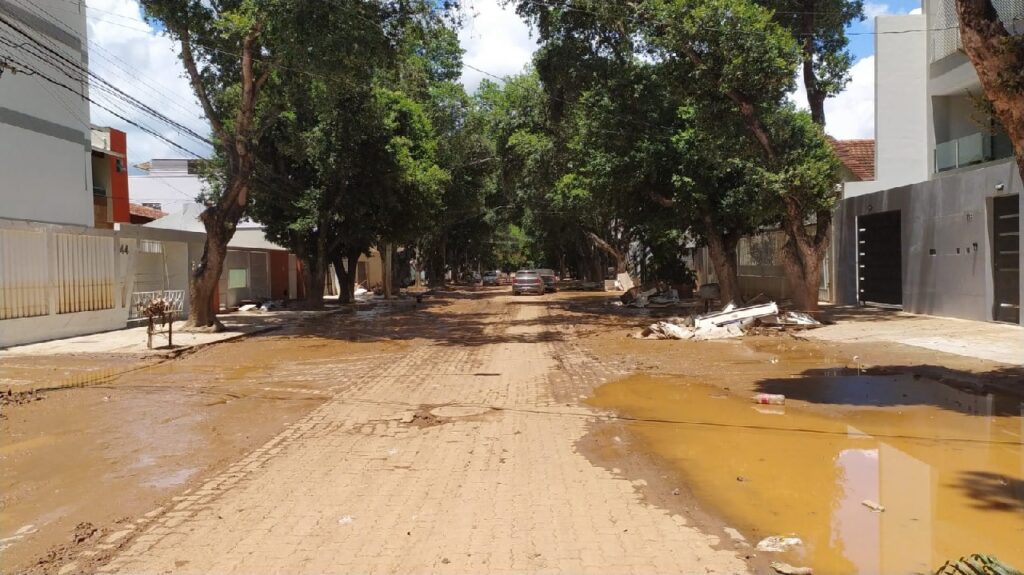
column 972, row 149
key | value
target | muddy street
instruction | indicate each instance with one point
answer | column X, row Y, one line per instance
column 484, row 432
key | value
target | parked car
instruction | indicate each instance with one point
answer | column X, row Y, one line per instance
column 549, row 278
column 491, row 278
column 527, row 281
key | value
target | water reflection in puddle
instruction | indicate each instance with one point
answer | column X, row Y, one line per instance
column 947, row 466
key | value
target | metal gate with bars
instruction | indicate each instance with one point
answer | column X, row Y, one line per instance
column 1006, row 258
column 879, row 258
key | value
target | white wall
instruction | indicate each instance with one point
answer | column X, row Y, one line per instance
column 45, row 167
column 901, row 104
column 172, row 191
column 74, row 281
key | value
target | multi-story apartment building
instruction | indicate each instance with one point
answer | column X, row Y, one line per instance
column 44, row 116
column 938, row 229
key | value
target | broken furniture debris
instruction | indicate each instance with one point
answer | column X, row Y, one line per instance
column 977, row 565
column 158, row 308
column 732, row 321
column 660, row 296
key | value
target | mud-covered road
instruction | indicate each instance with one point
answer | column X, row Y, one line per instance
column 481, row 432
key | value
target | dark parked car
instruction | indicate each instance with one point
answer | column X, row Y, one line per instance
column 549, row 278
column 527, row 281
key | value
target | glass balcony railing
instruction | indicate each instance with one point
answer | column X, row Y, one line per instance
column 971, row 149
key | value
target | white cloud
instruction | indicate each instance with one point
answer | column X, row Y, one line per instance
column 496, row 40
column 126, row 52
column 851, row 114
column 873, row 10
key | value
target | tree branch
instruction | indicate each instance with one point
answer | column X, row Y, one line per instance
column 746, row 110
column 197, row 85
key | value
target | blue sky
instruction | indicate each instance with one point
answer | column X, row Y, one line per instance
column 862, row 44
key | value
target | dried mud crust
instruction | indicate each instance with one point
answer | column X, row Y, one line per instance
column 484, row 422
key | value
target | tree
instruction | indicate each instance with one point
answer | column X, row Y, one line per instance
column 734, row 54
column 349, row 162
column 228, row 48
column 998, row 57
column 820, row 29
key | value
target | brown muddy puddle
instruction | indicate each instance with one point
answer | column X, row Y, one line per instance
column 947, row 466
column 116, row 450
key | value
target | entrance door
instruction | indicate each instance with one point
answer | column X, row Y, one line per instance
column 1006, row 258
column 879, row 258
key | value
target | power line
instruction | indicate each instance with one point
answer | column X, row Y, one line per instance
column 76, row 71
column 110, row 88
column 115, row 113
column 648, row 20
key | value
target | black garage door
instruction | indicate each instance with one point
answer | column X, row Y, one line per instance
column 1006, row 258
column 879, row 258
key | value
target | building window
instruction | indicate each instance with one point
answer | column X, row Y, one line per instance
column 238, row 278
column 151, row 247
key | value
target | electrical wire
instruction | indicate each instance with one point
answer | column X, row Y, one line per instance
column 110, row 88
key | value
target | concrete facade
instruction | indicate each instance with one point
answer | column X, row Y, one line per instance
column 946, row 240
column 44, row 128
column 938, row 162
column 168, row 182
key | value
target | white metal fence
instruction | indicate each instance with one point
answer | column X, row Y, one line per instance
column 176, row 299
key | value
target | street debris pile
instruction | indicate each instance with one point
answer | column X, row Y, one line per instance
column 730, row 322
column 976, row 565
column 655, row 297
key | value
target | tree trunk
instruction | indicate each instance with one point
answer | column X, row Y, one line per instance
column 617, row 256
column 205, row 281
column 998, row 58
column 344, row 276
column 353, row 270
column 386, row 269
column 815, row 95
column 316, row 275
column 802, row 256
column 722, row 249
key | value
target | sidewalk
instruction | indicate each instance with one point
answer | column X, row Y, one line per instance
column 97, row 358
column 976, row 339
column 133, row 340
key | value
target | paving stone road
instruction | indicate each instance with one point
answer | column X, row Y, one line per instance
column 457, row 458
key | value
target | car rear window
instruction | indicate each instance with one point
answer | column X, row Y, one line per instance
column 525, row 275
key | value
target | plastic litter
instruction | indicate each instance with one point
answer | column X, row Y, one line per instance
column 734, row 534
column 778, row 543
column 346, row 520
column 770, row 399
column 872, row 506
column 787, row 569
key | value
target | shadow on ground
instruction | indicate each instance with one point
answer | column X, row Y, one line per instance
column 432, row 320
column 993, row 491
column 997, row 392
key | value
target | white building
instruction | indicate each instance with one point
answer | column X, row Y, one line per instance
column 44, row 128
column 946, row 191
column 172, row 183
